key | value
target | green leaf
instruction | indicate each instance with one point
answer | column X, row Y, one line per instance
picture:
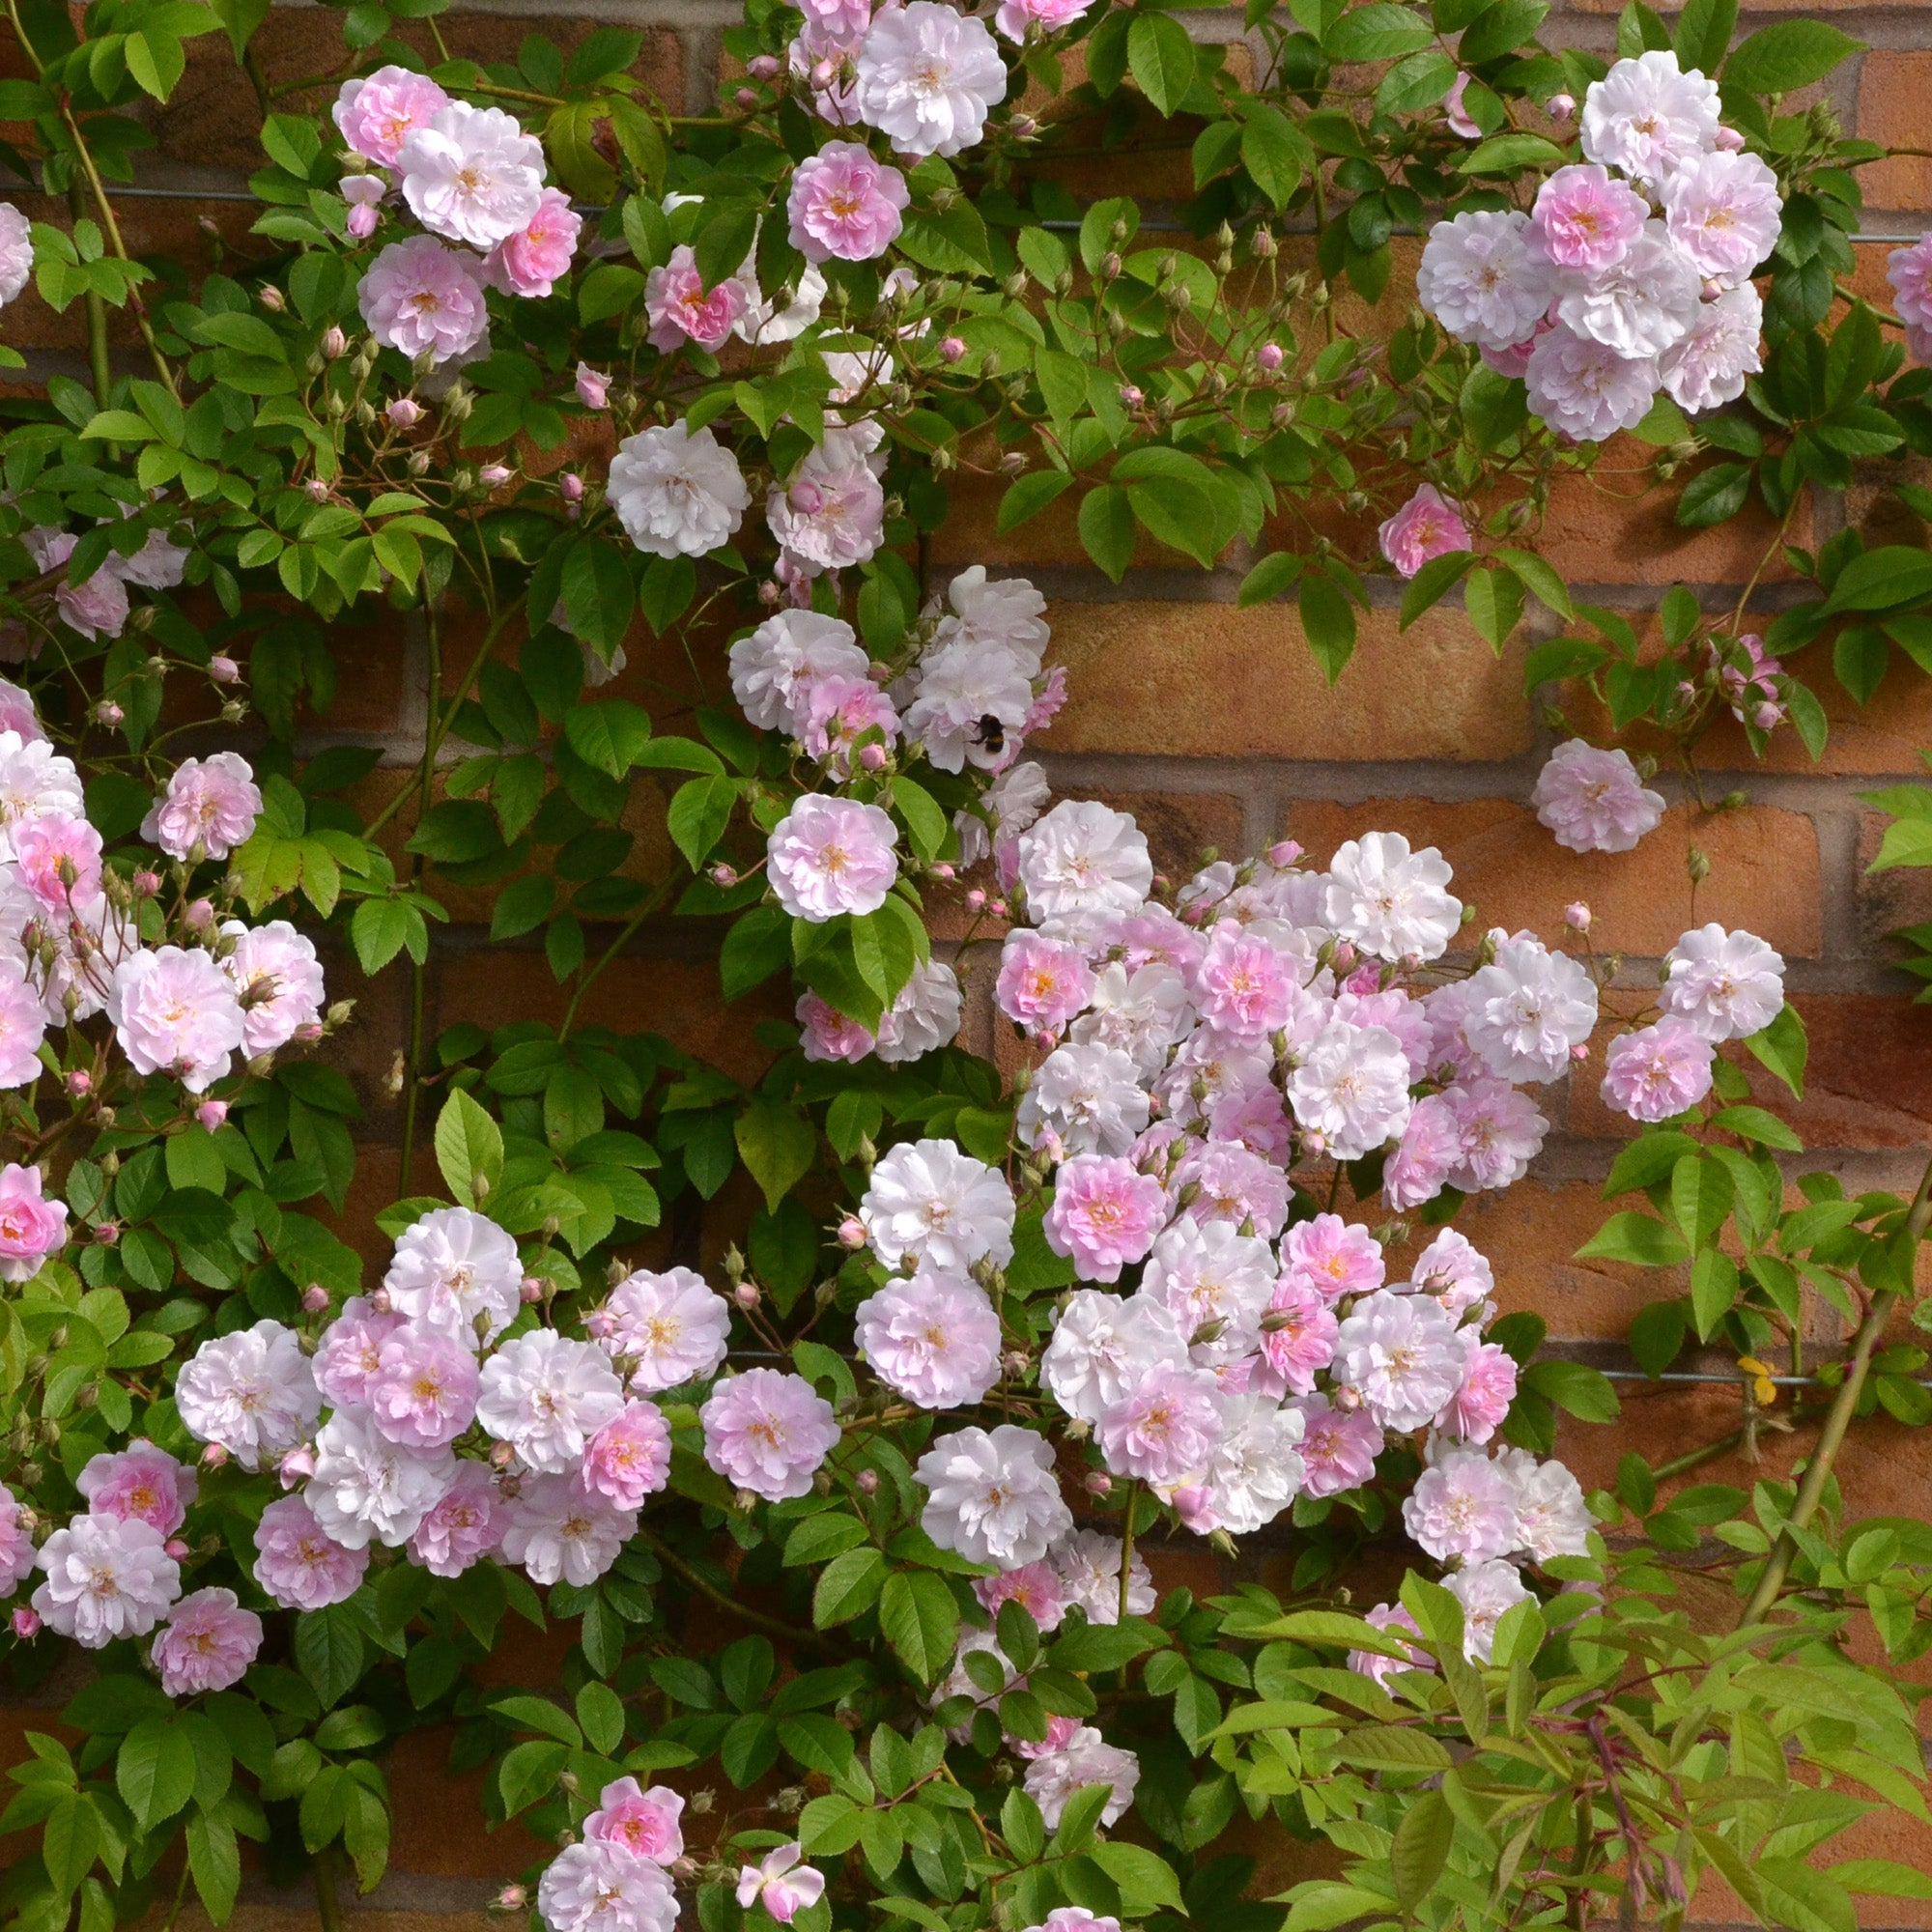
column 1029, row 494
column 1327, row 622
column 214, row 1862
column 1273, row 575
column 1160, row 57
column 1107, row 528
column 848, row 1586
column 469, row 1149
column 1376, row 32
column 1575, row 1387
column 1636, row 1238
column 154, row 1771
column 1147, row 1881
column 608, row 734
column 777, row 1146
column 1430, row 584
column 919, row 1618
column 1420, row 1851
column 1782, row 1048
column 1786, row 55
column 700, row 812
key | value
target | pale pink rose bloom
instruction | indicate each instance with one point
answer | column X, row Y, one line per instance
column 464, row 1527
column 31, row 1226
column 1583, row 219
column 1105, row 1213
column 212, row 802
column 1502, row 1132
column 928, row 76
column 629, row 1458
column 681, row 309
column 1909, row 270
column 1428, row 525
column 1339, row 1447
column 423, row 1393
column 1164, row 1428
column 175, row 1012
column 1724, row 346
column 472, row 175
column 1044, row 982
column 547, row 1395
column 934, row 1340
column 1088, row 1758
column 1593, row 800
column 832, row 512
column 1454, row 1272
column 107, row 1578
column 1372, row 1662
column 16, row 251
column 1585, row 390
column 844, row 204
column 1462, row 1506
column 993, row 1495
column 365, row 195
column 251, row 1391
column 1430, row 1147
column 1476, row 1411
column 1724, row 211
column 672, row 1326
column 1482, row 277
column 768, row 1431
column 533, row 261
column 16, row 1545
column 298, row 1564
column 599, row 1887
column 782, row 1883
column 16, row 708
column 24, row 1024
column 830, row 856
column 1060, row 1731
column 1659, row 1071
column 1015, row 18
column 593, row 387
column 839, row 712
column 1487, row 1591
column 351, row 1352
column 139, row 1481
column 1400, row 1354
column 1243, row 985
column 1727, row 985
column 830, row 1035
column 422, row 298
column 95, row 609
column 1035, row 1586
column 376, row 115
column 206, row 1642
column 1233, row 1184
column 277, row 980
column 1304, row 1343
column 1649, row 116
column 645, row 1823
column 59, row 858
column 1333, row 1258
column 847, row 19
column 561, row 1532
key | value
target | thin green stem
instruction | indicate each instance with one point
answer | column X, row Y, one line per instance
column 1818, row 1470
column 425, row 790
column 1128, row 1546
column 327, row 1895
column 181, row 1894
column 99, row 360
column 772, row 1626
column 657, row 897
column 1694, row 1459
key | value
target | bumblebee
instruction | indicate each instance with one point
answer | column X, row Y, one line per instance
column 990, row 733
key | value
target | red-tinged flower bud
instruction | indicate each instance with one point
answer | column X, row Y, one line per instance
column 953, row 349
column 852, row 1233
column 1269, row 357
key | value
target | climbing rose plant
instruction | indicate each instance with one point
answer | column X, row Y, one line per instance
column 513, row 354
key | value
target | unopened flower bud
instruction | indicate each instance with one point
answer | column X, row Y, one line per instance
column 746, row 1294
column 379, row 1302
column 1560, row 106
column 976, row 899
column 764, row 67
column 512, row 1898
column 316, row 490
column 1098, row 1483
column 214, row 1456
column 953, row 349
column 494, row 475
column 270, row 298
column 108, row 713
column 81, row 1083
column 334, row 344
column 404, row 413
column 223, row 669
column 1576, row 916
column 1579, row 1053
column 1698, row 863
column 107, row 1232
column 315, row 1297
column 211, row 1113
column 1269, row 356
column 1132, row 396
column 500, row 1455
column 1284, row 852
column 722, row 874
column 871, row 758
column 1728, row 140
column 867, row 1481
column 570, row 486
column 26, row 1624
column 747, row 97
column 852, row 1233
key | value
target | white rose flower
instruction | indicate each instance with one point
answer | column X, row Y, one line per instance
column 1648, row 117
column 1091, row 1097
column 1351, row 1087
column 993, row 1495
column 1479, row 279
column 1390, row 900
column 678, row 494
column 1256, row 1470
column 251, row 1391
column 454, row 1268
column 1084, row 857
column 547, row 1396
column 1102, row 1345
column 1527, row 1010
column 1641, row 306
column 1727, row 985
column 926, row 76
column 472, row 175
column 367, row 1486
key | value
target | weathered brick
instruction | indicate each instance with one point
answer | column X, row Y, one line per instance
column 1868, row 1082
column 1764, row 870
column 1208, row 680
column 1893, row 86
column 1901, row 895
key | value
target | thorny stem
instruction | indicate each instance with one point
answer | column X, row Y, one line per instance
column 98, row 358
column 1694, row 1458
column 772, row 1626
column 1819, row 1468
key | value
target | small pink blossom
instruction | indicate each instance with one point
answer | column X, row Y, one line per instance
column 376, row 115
column 645, row 1823
column 1428, row 525
column 629, row 1458
column 365, row 195
column 1373, row 1663
column 1431, row 1148
column 682, row 309
column 1659, row 1071
column 422, row 298
column 1016, row 19
column 423, row 1392
column 934, row 1339
column 1297, row 1338
column 535, row 260
column 768, row 1431
column 1456, row 114
column 298, row 1564
column 1035, row 1586
column 1583, row 219
column 175, row 1012
column 830, row 856
column 1333, row 1258
column 210, row 802
column 1476, row 1411
column 206, row 1642
column 1593, row 800
column 1243, row 985
column 1339, row 1447
column 1462, row 1507
column 59, row 858
column 844, row 204
column 1502, row 1132
column 593, row 387
column 351, row 1352
column 839, row 711
column 1105, row 1213
column 1164, row 1427
column 141, row 1482
column 783, row 1883
column 1044, row 982
column 1910, row 274
column 31, row 1226
column 16, row 1545
column 464, row 1527
column 830, row 1035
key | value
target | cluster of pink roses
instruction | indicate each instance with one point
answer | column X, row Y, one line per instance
column 1632, row 272
column 470, row 176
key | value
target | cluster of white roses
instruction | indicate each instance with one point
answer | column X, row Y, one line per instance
column 1632, row 273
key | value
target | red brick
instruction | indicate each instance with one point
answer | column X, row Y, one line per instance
column 1208, row 680
column 1764, row 870
column 1892, row 87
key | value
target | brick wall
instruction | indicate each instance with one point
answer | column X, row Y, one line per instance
column 1212, row 725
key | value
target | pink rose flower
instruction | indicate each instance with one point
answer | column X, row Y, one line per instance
column 645, row 1823
column 31, row 1226
column 1373, row 1663
column 846, row 18
column 831, row 855
column 629, row 1458
column 845, row 203
column 1044, row 982
column 768, row 1431
column 1164, row 1427
column 59, row 858
column 351, row 1352
column 1583, row 219
column 175, row 1012
column 535, row 260
column 1333, row 1258
column 298, row 1564
column 1477, row 1408
column 376, row 114
column 681, row 308
column 830, row 1035
column 464, row 1527
column 1243, row 985
column 1016, row 19
column 423, row 1393
column 1593, row 799
column 1105, row 1213
column 1659, row 1071
column 1339, row 1447
column 1430, row 1150
column 782, row 1883
column 206, row 1642
column 142, row 1482
column 1454, row 112
column 1036, row 1587
column 17, row 714
column 1428, row 525
column 421, row 298
column 1297, row 1340
column 1909, row 270
column 212, row 803
column 840, row 711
